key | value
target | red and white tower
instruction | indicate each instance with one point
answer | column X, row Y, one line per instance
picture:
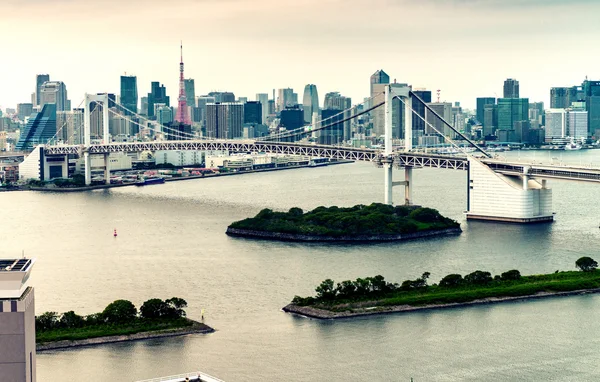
column 183, row 116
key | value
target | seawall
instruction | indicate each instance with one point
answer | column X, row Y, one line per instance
column 341, row 239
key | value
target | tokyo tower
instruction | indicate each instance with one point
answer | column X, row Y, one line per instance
column 182, row 110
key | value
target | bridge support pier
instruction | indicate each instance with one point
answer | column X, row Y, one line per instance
column 408, row 185
column 87, row 168
column 388, row 183
column 107, row 168
column 504, row 198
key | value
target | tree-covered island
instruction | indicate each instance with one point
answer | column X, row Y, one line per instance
column 375, row 222
column 155, row 318
column 374, row 295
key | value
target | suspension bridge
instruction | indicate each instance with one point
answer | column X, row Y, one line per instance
column 497, row 190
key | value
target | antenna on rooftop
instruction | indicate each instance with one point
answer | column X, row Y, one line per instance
column 438, row 95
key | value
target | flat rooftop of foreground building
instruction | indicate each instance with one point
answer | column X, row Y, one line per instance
column 196, row 376
column 15, row 265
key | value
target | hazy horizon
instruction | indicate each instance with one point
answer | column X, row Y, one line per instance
column 466, row 48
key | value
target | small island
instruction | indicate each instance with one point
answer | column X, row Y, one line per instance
column 373, row 295
column 373, row 223
column 119, row 321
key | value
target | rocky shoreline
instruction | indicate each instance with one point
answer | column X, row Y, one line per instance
column 196, row 328
column 323, row 314
column 236, row 232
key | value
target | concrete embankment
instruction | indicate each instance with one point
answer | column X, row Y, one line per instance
column 196, row 328
column 312, row 312
column 341, row 239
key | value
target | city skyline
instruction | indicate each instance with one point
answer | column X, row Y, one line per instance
column 463, row 54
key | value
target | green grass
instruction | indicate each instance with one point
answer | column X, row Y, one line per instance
column 526, row 286
column 96, row 331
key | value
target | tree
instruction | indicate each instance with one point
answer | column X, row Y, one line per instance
column 176, row 306
column 478, row 278
column 326, row 291
column 119, row 311
column 586, row 264
column 452, row 280
column 346, row 288
column 71, row 319
column 46, row 321
column 511, row 275
column 153, row 308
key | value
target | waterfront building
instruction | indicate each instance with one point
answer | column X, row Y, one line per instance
column 285, row 98
column 54, row 92
column 481, row 102
column 129, row 94
column 40, row 128
column 39, row 81
column 180, row 157
column 593, row 109
column 310, row 102
column 24, row 110
column 253, row 112
column 536, row 114
column 556, row 124
column 511, row 110
column 224, row 120
column 158, row 94
column 17, row 321
column 577, row 124
column 377, row 80
column 263, row 98
column 511, row 88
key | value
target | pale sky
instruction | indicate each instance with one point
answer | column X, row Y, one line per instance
column 466, row 48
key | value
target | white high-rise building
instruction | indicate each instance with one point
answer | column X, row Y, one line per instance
column 285, row 98
column 54, row 92
column 577, row 124
column 310, row 102
column 263, row 98
column 556, row 124
column 225, row 120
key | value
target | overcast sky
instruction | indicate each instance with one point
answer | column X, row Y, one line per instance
column 466, row 48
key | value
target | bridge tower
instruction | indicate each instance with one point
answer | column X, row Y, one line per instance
column 87, row 141
column 402, row 91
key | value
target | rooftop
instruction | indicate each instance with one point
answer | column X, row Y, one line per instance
column 14, row 265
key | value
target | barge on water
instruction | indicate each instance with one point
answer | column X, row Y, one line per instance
column 150, row 180
column 195, row 376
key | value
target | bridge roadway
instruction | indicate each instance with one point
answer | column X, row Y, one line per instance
column 401, row 159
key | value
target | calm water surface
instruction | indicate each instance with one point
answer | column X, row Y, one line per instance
column 171, row 243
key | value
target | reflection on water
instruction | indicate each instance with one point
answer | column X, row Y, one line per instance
column 171, row 243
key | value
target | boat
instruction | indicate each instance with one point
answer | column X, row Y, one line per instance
column 572, row 146
column 150, row 180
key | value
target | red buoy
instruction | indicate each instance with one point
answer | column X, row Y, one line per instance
column 115, row 233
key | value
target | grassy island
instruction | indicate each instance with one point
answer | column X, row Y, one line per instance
column 374, row 295
column 119, row 321
column 365, row 223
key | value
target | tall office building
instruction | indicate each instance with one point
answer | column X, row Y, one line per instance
column 158, row 94
column 377, row 82
column 24, row 110
column 17, row 321
column 292, row 118
column 39, row 81
column 490, row 120
column 190, row 91
column 202, row 102
column 253, row 112
column 144, row 106
column 556, row 124
column 593, row 108
column 511, row 88
column 224, row 120
column 69, row 126
column 40, row 128
column 129, row 94
column 285, row 98
column 419, row 108
column 336, row 101
column 164, row 114
column 444, row 110
column 54, row 92
column 222, row 97
column 536, row 114
column 310, row 102
column 563, row 97
column 511, row 110
column 263, row 98
column 577, row 124
column 334, row 133
column 481, row 102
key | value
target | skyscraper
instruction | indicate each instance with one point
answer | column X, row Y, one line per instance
column 336, row 101
column 481, row 102
column 54, row 92
column 129, row 94
column 253, row 112
column 377, row 79
column 419, row 108
column 40, row 128
column 556, row 124
column 224, row 120
column 511, row 88
column 263, row 98
column 158, row 94
column 39, row 81
column 285, row 98
column 24, row 110
column 310, row 102
column 190, row 92
column 183, row 114
column 511, row 110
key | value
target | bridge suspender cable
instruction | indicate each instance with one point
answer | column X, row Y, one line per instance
column 448, row 125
